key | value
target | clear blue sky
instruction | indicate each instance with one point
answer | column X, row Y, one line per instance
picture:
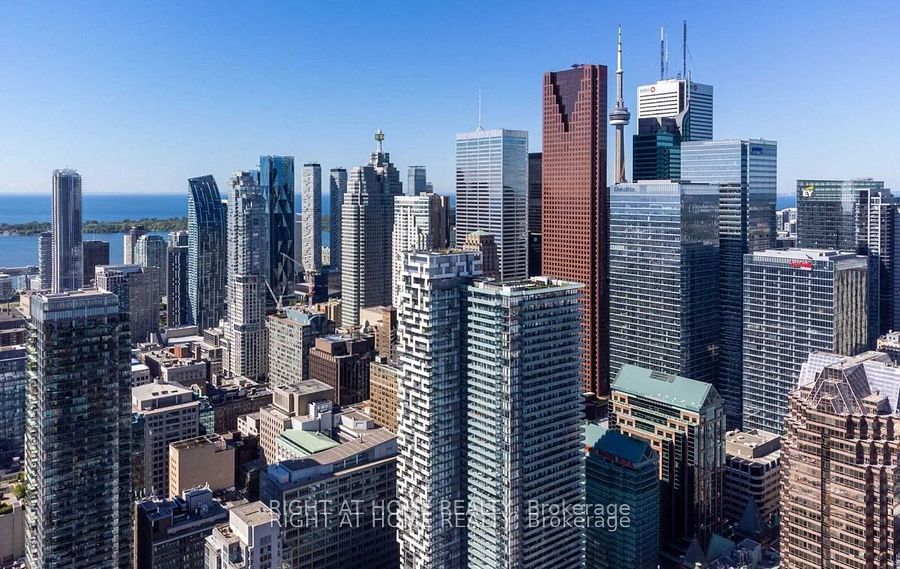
column 140, row 96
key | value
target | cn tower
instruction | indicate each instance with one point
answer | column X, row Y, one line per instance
column 619, row 117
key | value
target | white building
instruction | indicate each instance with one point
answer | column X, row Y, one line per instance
column 311, row 194
column 689, row 104
column 417, row 227
column 250, row 540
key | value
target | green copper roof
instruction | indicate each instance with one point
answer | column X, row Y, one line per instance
column 680, row 392
column 306, row 442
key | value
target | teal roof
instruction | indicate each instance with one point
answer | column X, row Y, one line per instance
column 680, row 392
column 307, row 442
column 630, row 449
column 593, row 432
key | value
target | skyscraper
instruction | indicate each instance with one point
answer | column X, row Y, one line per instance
column 77, row 447
column 138, row 290
column 430, row 467
column 367, row 221
column 492, row 193
column 45, row 259
column 416, row 182
column 66, row 232
column 839, row 455
column 206, row 253
column 177, row 307
column 337, row 187
column 796, row 302
column 95, row 253
column 663, row 278
column 129, row 240
column 745, row 171
column 418, row 226
column 276, row 177
column 574, row 203
column 688, row 103
column 312, row 217
column 534, row 214
column 523, row 423
column 248, row 266
column 620, row 117
column 150, row 251
column 827, row 212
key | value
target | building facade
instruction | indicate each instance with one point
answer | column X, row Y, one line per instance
column 138, row 289
column 750, row 493
column 384, row 378
column 342, row 362
column 337, row 187
column 534, row 214
column 291, row 333
column 416, row 181
column 796, row 302
column 207, row 277
column 13, row 377
column 250, row 540
column 688, row 104
column 150, row 251
column 129, row 240
column 45, row 259
column 492, row 193
column 95, row 253
column 312, row 217
column 177, row 306
column 421, row 223
column 276, row 178
column 66, row 256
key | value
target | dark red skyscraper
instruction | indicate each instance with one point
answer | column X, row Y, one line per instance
column 575, row 207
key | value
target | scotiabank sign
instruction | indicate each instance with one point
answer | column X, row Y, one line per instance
column 807, row 265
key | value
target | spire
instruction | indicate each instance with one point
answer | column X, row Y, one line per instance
column 480, row 127
column 619, row 116
column 379, row 138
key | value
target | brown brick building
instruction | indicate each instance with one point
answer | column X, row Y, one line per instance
column 342, row 362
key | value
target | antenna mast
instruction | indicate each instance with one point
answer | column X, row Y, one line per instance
column 662, row 53
column 479, row 110
column 684, row 51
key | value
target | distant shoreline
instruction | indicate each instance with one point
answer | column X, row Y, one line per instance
column 150, row 224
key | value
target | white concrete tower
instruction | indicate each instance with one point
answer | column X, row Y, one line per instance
column 619, row 117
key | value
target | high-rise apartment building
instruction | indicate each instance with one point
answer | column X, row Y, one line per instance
column 523, row 422
column 45, row 259
column 150, row 251
column 276, row 178
column 623, row 470
column 796, row 302
column 745, row 171
column 416, row 181
column 534, row 214
column 177, row 306
column 574, row 204
column 663, row 271
column 66, row 263
column 839, row 455
column 291, row 334
column 430, row 467
column 683, row 420
column 337, row 187
column 13, row 377
column 138, row 290
column 77, row 447
column 250, row 540
column 248, row 267
column 492, row 193
column 312, row 217
column 420, row 224
column 95, row 253
column 129, row 240
column 367, row 221
column 207, row 278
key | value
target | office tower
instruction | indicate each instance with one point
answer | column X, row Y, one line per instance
column 150, row 251
column 349, row 462
column 367, row 221
column 384, row 377
column 337, row 187
column 207, row 278
column 341, row 361
column 312, row 217
column 291, row 334
column 859, row 216
column 138, row 291
column 523, row 425
column 623, row 470
column 13, row 376
column 162, row 413
column 248, row 265
column 298, row 242
column 430, row 467
column 204, row 461
column 688, row 104
column 419, row 225
column 288, row 401
column 684, row 421
column 129, row 241
column 77, row 447
column 620, row 117
column 839, row 453
column 796, row 302
column 416, row 183
column 574, row 204
column 95, row 253
column 492, row 193
column 177, row 306
column 751, row 484
column 276, row 178
column 484, row 242
column 656, row 155
column 745, row 171
column 67, row 269
column 663, row 278
column 171, row 534
column 534, row 214
column 250, row 540
column 45, row 259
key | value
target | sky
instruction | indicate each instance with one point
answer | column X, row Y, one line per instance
column 140, row 96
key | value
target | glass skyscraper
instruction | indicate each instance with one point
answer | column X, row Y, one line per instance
column 745, row 171
column 663, row 277
column 656, row 156
column 416, row 181
column 276, row 178
column 206, row 253
column 827, row 212
column 177, row 313
column 492, row 193
column 67, row 269
column 337, row 187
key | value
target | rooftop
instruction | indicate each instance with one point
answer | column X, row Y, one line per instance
column 255, row 514
column 752, row 444
column 621, row 446
column 674, row 390
column 308, row 442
